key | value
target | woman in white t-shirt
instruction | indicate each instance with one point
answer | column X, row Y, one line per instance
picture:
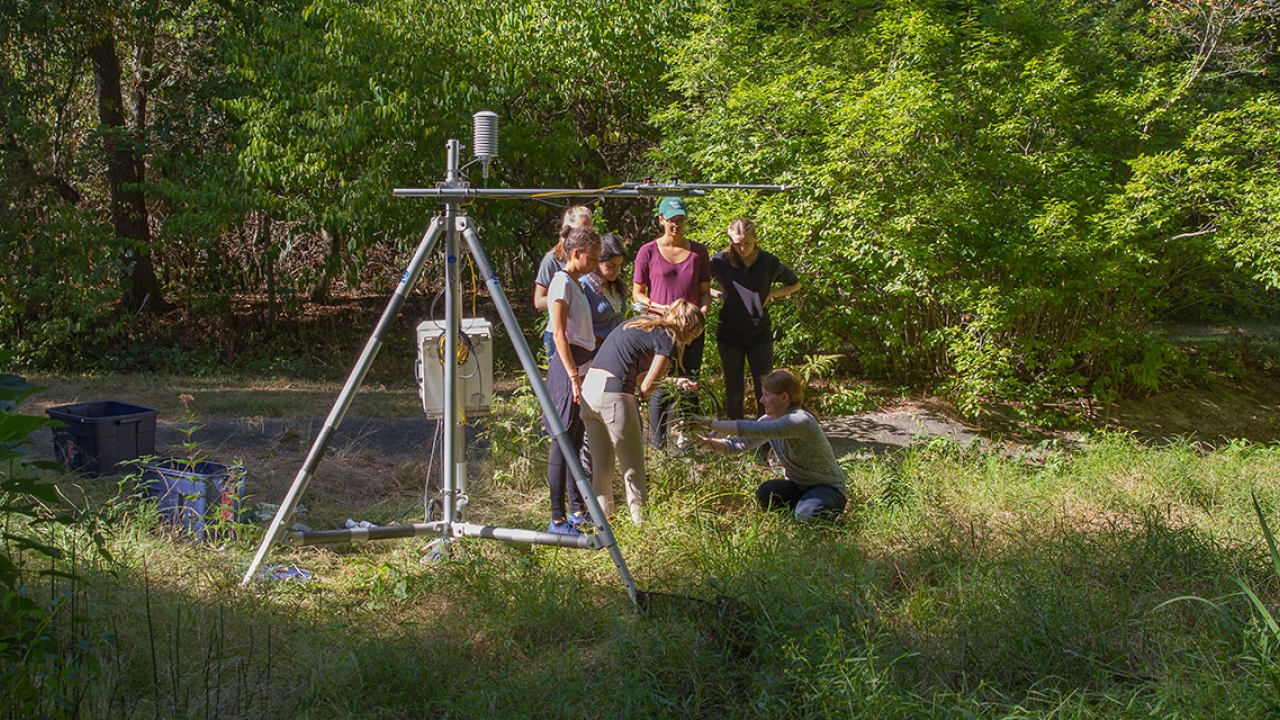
column 575, row 343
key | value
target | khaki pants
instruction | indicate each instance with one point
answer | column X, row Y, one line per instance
column 612, row 421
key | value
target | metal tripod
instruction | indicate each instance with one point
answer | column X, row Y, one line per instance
column 450, row 225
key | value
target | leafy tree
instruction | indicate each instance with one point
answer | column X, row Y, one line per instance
column 96, row 95
column 350, row 101
column 960, row 166
column 55, row 280
column 998, row 196
column 1214, row 198
column 196, row 146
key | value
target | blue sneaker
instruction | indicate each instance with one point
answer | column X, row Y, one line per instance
column 579, row 520
column 562, row 528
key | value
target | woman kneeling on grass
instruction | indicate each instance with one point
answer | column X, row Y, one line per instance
column 813, row 482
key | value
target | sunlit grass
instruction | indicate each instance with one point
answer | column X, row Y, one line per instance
column 961, row 582
column 227, row 396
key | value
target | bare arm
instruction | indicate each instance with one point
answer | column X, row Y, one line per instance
column 782, row 292
column 540, row 297
column 640, row 294
column 704, row 297
column 657, row 369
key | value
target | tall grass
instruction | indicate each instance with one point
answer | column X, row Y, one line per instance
column 961, row 583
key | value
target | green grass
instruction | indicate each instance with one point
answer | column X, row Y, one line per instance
column 960, row 584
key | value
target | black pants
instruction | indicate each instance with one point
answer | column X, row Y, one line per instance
column 559, row 477
column 734, row 358
column 782, row 494
column 663, row 408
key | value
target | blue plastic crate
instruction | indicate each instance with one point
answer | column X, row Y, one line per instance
column 201, row 497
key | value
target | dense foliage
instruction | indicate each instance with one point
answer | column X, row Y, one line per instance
column 36, row 522
column 998, row 198
column 1004, row 195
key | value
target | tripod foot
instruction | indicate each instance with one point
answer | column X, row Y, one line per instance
column 437, row 551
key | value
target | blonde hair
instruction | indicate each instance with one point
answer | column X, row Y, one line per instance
column 781, row 381
column 683, row 322
column 575, row 217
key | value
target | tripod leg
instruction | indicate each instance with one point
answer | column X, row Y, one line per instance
column 544, row 398
column 275, row 531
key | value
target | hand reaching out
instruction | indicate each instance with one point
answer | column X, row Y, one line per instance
column 697, row 425
column 685, row 383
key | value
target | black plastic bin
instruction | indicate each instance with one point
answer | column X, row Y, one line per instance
column 98, row 436
column 199, row 496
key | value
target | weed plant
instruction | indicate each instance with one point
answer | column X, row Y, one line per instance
column 961, row 583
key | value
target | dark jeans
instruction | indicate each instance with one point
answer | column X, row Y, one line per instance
column 559, row 477
column 734, row 358
column 783, row 494
column 662, row 407
column 549, row 344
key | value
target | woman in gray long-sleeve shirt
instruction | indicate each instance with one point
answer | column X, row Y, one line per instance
column 813, row 482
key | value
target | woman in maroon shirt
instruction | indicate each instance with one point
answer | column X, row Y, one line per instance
column 669, row 268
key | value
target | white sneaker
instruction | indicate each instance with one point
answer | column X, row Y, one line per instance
column 808, row 509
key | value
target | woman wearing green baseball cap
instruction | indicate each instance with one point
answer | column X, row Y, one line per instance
column 668, row 268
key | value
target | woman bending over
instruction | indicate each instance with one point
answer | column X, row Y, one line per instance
column 627, row 369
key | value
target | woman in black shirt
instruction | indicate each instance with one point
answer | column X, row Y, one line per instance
column 747, row 276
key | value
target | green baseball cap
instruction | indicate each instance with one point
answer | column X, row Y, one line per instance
column 671, row 207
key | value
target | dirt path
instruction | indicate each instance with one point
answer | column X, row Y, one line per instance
column 877, row 432
column 275, row 447
column 404, row 440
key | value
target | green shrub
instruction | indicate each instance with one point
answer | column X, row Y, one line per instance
column 46, row 660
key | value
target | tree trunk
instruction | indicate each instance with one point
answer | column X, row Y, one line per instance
column 124, row 178
column 268, row 259
column 332, row 265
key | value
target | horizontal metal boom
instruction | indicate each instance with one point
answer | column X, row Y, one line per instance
column 461, row 191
